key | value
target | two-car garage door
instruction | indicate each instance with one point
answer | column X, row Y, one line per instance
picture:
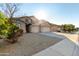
column 45, row 29
column 36, row 29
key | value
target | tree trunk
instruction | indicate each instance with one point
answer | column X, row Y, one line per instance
column 14, row 37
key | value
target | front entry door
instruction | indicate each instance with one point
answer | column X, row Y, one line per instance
column 28, row 28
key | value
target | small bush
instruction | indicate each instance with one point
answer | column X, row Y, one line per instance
column 8, row 30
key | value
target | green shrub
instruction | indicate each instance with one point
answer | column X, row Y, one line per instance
column 6, row 28
column 68, row 27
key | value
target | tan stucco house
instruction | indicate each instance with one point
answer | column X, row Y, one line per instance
column 33, row 25
column 55, row 27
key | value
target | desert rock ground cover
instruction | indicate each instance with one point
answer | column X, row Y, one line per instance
column 72, row 37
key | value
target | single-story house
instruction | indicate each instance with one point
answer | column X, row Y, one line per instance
column 55, row 27
column 32, row 24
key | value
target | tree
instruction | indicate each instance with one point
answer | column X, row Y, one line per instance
column 2, row 18
column 68, row 27
column 8, row 31
column 10, row 9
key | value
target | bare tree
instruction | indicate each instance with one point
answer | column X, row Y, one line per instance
column 10, row 9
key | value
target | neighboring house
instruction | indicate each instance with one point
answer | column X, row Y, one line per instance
column 55, row 27
column 32, row 24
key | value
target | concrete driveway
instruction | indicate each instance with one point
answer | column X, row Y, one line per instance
column 65, row 47
column 52, row 34
column 28, row 44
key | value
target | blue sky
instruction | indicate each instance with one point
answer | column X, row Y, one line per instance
column 56, row 13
